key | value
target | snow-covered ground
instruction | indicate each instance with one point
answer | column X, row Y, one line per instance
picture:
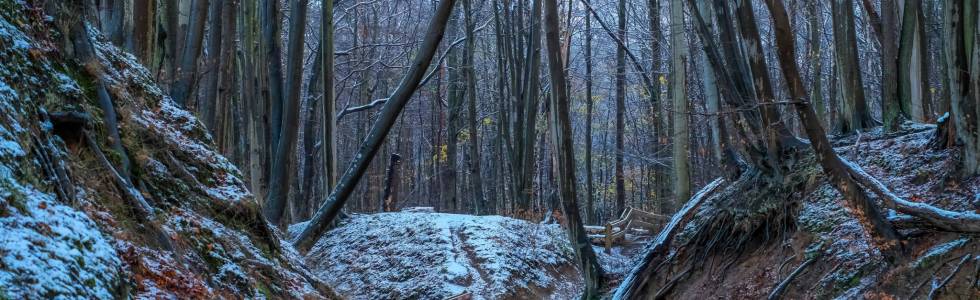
column 436, row 255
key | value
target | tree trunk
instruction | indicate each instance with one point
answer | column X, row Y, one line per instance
column 224, row 104
column 854, row 113
column 711, row 97
column 328, row 122
column 590, row 215
column 678, row 46
column 454, row 100
column 775, row 132
column 529, row 106
column 145, row 32
column 279, row 181
column 182, row 91
column 964, row 79
column 389, row 200
column 171, row 40
column 386, row 119
column 272, row 58
column 207, row 104
column 475, row 175
column 563, row 147
column 894, row 110
column 816, row 63
column 620, row 110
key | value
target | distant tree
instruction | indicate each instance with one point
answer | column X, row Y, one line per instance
column 186, row 71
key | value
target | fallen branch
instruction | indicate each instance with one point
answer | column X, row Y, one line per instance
column 777, row 293
column 660, row 246
column 942, row 219
column 331, row 207
column 54, row 168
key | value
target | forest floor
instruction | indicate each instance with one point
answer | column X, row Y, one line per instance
column 436, row 255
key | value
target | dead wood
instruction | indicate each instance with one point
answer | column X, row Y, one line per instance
column 777, row 292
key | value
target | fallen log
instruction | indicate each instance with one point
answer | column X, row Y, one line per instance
column 660, row 247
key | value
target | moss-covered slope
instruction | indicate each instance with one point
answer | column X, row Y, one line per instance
column 66, row 228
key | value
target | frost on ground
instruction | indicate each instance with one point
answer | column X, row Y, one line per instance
column 46, row 248
column 65, row 230
column 434, row 255
column 849, row 266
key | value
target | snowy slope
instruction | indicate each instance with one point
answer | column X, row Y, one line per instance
column 65, row 230
column 435, row 255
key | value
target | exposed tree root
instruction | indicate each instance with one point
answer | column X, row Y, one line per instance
column 746, row 213
column 664, row 291
column 777, row 292
column 936, row 217
column 54, row 167
column 935, row 289
column 128, row 192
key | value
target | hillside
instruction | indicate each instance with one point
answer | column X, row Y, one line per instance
column 813, row 237
column 68, row 224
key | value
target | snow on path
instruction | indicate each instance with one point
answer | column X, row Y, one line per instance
column 437, row 255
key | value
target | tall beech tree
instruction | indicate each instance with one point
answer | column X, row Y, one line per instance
column 855, row 114
column 678, row 87
column 186, row 71
column 280, row 176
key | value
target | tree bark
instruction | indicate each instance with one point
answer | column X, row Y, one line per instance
column 328, row 122
column 563, row 147
column 620, row 110
column 854, row 114
column 272, row 59
column 389, row 200
column 963, row 80
column 816, row 63
column 894, row 111
column 186, row 71
column 207, row 104
column 279, row 181
column 145, row 32
column 678, row 45
column 476, row 177
column 590, row 215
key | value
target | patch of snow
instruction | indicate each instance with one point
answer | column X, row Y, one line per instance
column 48, row 249
column 437, row 255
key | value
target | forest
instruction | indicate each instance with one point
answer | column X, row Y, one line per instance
column 489, row 149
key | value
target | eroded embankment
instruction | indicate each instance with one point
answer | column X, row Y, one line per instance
column 752, row 235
